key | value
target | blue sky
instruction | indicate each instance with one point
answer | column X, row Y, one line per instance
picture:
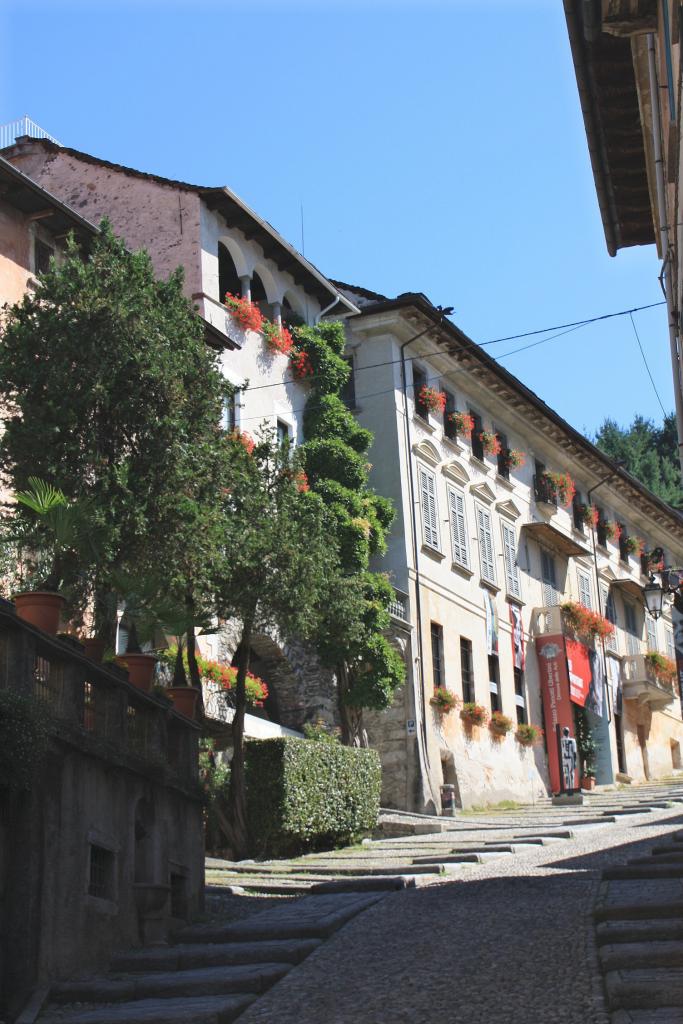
column 435, row 147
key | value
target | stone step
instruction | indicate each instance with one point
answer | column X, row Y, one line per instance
column 324, row 868
column 673, row 856
column 645, row 989
column 376, row 883
column 201, row 1010
column 463, row 858
column 566, row 833
column 184, row 957
column 647, row 930
column 627, row 955
column 663, row 1015
column 620, row 812
column 637, row 911
column 606, row 819
column 199, row 981
column 310, row 918
column 270, row 887
column 667, row 848
column 635, row 871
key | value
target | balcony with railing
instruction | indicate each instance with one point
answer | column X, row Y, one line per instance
column 545, row 493
column 399, row 607
column 641, row 683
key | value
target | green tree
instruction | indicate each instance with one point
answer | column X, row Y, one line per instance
column 352, row 635
column 648, row 453
column 113, row 396
column 278, row 569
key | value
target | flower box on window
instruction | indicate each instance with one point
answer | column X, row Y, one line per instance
column 585, row 624
column 245, row 312
column 500, row 724
column 528, row 734
column 631, row 545
column 462, row 423
column 562, row 485
column 473, row 714
column 443, row 700
column 589, row 515
column 277, row 337
column 490, row 443
column 515, row 458
column 432, row 399
column 663, row 668
column 612, row 529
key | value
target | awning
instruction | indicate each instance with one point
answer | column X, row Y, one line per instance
column 553, row 538
column 630, row 587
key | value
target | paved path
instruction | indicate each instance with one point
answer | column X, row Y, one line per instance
column 509, row 942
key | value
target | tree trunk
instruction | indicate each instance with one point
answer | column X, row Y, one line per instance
column 179, row 676
column 195, row 677
column 353, row 733
column 238, row 794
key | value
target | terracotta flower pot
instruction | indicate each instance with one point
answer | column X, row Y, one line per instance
column 42, row 608
column 94, row 649
column 140, row 669
column 587, row 782
column 184, row 699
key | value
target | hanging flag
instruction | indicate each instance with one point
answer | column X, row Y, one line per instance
column 518, row 652
column 491, row 623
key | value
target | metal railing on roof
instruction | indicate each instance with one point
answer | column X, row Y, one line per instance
column 23, row 126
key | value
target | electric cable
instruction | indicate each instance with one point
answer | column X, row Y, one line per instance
column 654, row 386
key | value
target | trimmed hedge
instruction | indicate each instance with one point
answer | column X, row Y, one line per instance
column 303, row 794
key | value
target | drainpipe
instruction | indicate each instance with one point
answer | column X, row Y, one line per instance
column 326, row 310
column 597, row 577
column 421, row 700
column 664, row 243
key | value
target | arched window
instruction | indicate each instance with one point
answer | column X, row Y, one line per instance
column 228, row 279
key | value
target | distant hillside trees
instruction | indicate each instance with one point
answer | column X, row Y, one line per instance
column 649, row 453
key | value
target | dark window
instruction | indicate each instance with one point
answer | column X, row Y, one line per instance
column 228, row 281
column 623, row 537
column 602, row 523
column 419, row 381
column 502, row 457
column 577, row 512
column 477, row 446
column 101, row 873
column 449, row 427
column 437, row 654
column 543, row 489
column 348, row 392
column 283, row 435
column 466, row 672
column 230, row 412
column 494, row 682
column 42, row 255
column 520, row 701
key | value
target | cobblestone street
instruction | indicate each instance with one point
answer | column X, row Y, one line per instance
column 510, row 942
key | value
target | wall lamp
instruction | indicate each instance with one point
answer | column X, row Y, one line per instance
column 669, row 583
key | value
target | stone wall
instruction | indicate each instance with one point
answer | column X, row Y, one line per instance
column 114, row 805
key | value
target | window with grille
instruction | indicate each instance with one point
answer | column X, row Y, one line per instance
column 520, row 700
column 448, row 426
column 577, row 517
column 585, row 592
column 487, row 559
column 437, row 654
column 46, row 680
column 512, row 577
column 101, row 873
column 551, row 595
column 430, row 514
column 494, row 682
column 466, row 670
column 456, row 502
column 502, row 457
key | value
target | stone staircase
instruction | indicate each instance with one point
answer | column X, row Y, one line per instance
column 212, row 972
column 419, row 850
column 639, row 932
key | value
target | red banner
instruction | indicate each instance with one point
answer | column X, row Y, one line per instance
column 579, row 671
column 555, row 690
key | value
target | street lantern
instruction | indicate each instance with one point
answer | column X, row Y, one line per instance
column 654, row 597
column 670, row 581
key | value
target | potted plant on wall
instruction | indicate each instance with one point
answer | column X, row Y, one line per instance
column 528, row 734
column 663, row 668
column 61, row 540
column 443, row 700
column 490, row 443
column 462, row 423
column 500, row 725
column 432, row 399
column 562, row 485
column 472, row 713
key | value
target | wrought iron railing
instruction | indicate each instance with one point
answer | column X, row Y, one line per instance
column 23, row 126
column 399, row 607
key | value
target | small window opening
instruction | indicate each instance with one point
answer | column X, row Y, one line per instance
column 101, row 873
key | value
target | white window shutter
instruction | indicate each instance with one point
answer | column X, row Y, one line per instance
column 511, row 569
column 585, row 594
column 486, row 555
column 461, row 553
column 550, row 593
column 430, row 517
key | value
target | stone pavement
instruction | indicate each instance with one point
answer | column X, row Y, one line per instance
column 510, row 941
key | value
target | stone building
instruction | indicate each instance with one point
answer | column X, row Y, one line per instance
column 483, row 553
column 105, row 848
column 223, row 246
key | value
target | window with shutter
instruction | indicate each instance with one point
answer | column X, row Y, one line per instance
column 632, row 634
column 512, row 580
column 456, row 501
column 611, row 616
column 585, row 593
column 651, row 633
column 550, row 593
column 670, row 649
column 486, row 550
column 430, row 516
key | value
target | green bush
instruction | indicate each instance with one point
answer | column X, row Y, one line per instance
column 303, row 794
column 23, row 739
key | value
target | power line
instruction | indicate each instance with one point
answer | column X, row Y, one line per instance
column 511, row 337
column 577, row 323
column 635, row 331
